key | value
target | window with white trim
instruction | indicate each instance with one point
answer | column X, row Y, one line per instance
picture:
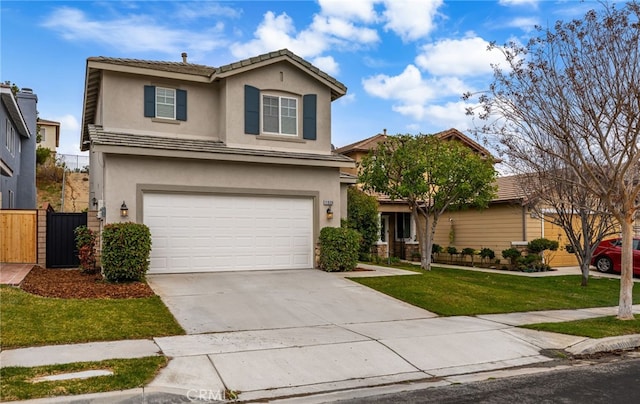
column 10, row 141
column 165, row 103
column 43, row 135
column 405, row 227
column 279, row 115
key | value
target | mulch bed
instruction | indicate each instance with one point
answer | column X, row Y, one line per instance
column 73, row 284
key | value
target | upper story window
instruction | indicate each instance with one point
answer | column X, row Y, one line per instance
column 10, row 138
column 165, row 103
column 43, row 134
column 279, row 115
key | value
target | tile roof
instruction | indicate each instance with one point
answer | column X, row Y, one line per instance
column 372, row 142
column 100, row 137
column 174, row 67
column 363, row 145
column 509, row 189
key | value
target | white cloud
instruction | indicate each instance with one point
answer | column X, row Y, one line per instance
column 361, row 10
column 347, row 99
column 327, row 64
column 344, row 29
column 204, row 9
column 458, row 57
column 69, row 134
column 519, row 2
column 132, row 33
column 411, row 20
column 411, row 91
column 527, row 24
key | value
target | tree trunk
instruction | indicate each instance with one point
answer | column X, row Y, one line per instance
column 625, row 310
column 425, row 242
column 584, row 268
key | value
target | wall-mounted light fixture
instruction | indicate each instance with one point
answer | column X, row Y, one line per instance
column 329, row 204
column 124, row 211
column 94, row 202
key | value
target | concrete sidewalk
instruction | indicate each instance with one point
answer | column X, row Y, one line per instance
column 272, row 364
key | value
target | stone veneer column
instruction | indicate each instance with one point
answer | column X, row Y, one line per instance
column 93, row 223
column 42, row 236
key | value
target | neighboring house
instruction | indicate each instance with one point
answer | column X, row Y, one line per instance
column 18, row 148
column 230, row 167
column 507, row 222
column 49, row 134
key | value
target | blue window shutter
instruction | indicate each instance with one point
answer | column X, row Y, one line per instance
column 150, row 101
column 251, row 110
column 181, row 105
column 309, row 105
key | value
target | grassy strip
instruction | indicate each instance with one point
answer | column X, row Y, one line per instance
column 599, row 327
column 16, row 382
column 28, row 320
column 458, row 292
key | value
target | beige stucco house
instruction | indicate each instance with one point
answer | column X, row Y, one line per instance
column 231, row 167
column 49, row 134
column 507, row 222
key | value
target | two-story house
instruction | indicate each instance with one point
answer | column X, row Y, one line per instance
column 49, row 134
column 18, row 116
column 230, row 167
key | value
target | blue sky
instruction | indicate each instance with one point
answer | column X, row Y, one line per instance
column 405, row 62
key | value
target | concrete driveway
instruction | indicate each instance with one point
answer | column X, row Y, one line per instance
column 262, row 300
column 282, row 333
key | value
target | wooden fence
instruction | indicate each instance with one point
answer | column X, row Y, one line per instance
column 18, row 236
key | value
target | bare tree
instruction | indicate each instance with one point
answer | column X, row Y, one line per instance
column 573, row 92
column 557, row 197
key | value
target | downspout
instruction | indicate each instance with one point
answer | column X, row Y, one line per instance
column 64, row 179
column 524, row 223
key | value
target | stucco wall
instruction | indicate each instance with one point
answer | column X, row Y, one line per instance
column 123, row 96
column 281, row 79
column 126, row 178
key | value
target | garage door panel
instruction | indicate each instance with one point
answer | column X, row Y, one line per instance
column 221, row 233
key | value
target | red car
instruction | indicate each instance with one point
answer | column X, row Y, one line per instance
column 607, row 256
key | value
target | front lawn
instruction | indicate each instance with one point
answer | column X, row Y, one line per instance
column 599, row 327
column 458, row 292
column 29, row 320
column 16, row 383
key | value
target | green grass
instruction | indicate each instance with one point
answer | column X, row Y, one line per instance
column 16, row 382
column 458, row 292
column 28, row 320
column 599, row 327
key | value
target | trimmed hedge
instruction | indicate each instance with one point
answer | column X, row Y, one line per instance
column 339, row 248
column 125, row 251
column 86, row 245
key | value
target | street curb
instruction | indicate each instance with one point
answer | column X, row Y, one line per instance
column 592, row 346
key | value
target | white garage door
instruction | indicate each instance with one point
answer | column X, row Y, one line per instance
column 203, row 233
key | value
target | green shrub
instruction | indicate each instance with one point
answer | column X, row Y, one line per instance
column 487, row 253
column 451, row 250
column 86, row 245
column 362, row 216
column 42, row 155
column 512, row 254
column 339, row 248
column 125, row 251
column 436, row 248
column 539, row 245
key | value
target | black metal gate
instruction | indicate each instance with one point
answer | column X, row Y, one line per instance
column 61, row 241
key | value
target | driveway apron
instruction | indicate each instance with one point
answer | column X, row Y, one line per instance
column 279, row 333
